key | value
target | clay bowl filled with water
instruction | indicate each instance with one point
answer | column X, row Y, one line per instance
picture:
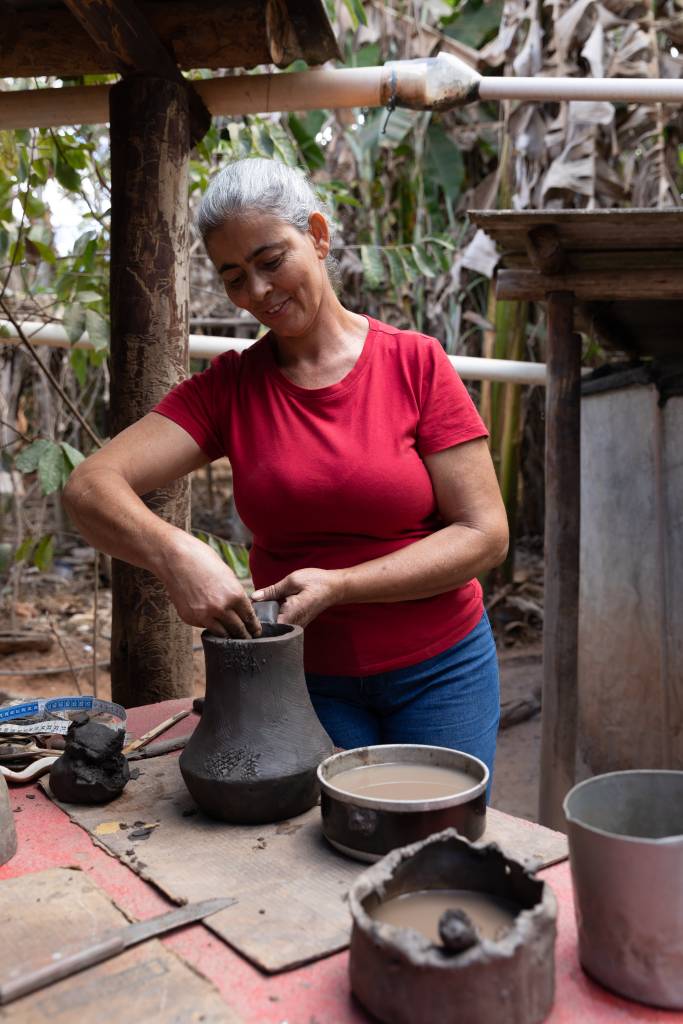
column 448, row 931
column 374, row 799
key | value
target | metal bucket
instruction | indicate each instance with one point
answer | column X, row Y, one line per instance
column 625, row 834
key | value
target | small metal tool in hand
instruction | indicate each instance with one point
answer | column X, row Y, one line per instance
column 267, row 611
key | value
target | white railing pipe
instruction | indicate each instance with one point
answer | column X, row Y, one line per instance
column 206, row 347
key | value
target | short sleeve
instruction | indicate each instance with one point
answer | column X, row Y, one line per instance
column 200, row 404
column 448, row 416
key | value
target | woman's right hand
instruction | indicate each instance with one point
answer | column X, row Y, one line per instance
column 205, row 590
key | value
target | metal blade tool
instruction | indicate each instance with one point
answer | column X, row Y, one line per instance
column 110, row 944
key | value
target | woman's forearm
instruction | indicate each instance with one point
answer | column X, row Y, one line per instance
column 434, row 565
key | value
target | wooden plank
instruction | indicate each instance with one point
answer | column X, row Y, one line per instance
column 586, row 229
column 597, row 285
column 198, row 33
column 57, row 911
column 602, row 259
column 290, row 884
column 561, row 602
column 151, row 648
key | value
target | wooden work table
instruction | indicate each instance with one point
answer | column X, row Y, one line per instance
column 315, row 994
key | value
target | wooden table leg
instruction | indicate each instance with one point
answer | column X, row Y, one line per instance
column 562, row 510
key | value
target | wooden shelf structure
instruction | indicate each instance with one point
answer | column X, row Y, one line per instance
column 617, row 274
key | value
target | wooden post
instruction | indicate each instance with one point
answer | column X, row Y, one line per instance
column 561, row 620
column 151, row 655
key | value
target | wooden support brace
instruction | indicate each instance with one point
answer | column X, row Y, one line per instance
column 561, row 619
column 129, row 43
column 544, row 250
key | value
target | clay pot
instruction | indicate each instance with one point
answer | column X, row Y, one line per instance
column 253, row 757
column 401, row 977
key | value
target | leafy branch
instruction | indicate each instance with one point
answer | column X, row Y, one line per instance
column 48, row 373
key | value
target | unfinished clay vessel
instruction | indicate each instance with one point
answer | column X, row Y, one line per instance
column 253, row 757
column 92, row 769
column 402, row 976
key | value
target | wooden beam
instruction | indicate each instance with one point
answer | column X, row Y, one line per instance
column 151, row 655
column 122, row 33
column 206, row 34
column 591, row 286
column 561, row 590
column 584, row 259
column 124, row 37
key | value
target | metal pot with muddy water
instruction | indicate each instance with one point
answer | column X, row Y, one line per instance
column 374, row 799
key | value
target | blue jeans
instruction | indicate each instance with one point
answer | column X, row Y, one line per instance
column 450, row 700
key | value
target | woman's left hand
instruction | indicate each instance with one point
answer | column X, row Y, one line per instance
column 302, row 595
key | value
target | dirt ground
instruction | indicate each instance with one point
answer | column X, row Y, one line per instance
column 60, row 604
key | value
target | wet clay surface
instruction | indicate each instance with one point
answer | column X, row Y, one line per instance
column 394, row 781
column 492, row 916
column 92, row 769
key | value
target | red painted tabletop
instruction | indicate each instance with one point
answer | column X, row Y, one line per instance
column 316, row 994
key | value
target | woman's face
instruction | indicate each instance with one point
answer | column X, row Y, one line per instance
column 271, row 269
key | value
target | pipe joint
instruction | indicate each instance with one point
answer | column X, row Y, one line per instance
column 431, row 83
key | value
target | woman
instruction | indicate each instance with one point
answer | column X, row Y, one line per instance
column 359, row 463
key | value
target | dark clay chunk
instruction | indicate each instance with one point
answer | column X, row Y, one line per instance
column 456, row 931
column 92, row 769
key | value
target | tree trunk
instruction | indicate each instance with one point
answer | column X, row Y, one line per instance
column 151, row 652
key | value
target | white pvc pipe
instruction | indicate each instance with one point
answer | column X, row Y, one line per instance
column 616, row 90
column 203, row 347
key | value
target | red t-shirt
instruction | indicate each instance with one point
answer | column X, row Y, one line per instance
column 332, row 477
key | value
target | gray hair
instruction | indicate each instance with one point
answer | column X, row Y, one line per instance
column 269, row 187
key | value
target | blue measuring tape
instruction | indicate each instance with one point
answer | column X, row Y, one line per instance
column 45, row 710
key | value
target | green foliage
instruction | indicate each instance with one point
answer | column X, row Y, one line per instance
column 373, row 268
column 37, row 551
column 354, row 7
column 76, row 160
column 234, row 555
column 474, row 22
column 53, row 460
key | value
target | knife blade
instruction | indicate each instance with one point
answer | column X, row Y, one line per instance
column 110, row 944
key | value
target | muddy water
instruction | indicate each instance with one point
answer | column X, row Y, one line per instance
column 491, row 915
column 394, row 781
